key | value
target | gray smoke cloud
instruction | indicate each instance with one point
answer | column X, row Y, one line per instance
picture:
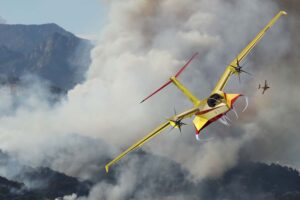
column 143, row 43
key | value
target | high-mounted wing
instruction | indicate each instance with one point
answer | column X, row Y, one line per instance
column 152, row 134
column 231, row 67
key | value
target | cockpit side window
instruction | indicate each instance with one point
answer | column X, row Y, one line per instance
column 214, row 100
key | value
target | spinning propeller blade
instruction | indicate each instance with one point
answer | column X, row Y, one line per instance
column 239, row 69
column 178, row 122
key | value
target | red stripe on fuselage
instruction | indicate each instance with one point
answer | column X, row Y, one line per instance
column 204, row 111
column 211, row 121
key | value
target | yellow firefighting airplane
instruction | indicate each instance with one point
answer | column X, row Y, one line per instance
column 206, row 110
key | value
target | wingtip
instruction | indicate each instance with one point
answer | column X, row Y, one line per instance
column 106, row 168
column 283, row 12
column 142, row 101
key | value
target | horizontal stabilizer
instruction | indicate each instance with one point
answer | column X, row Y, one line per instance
column 187, row 64
column 156, row 91
column 170, row 81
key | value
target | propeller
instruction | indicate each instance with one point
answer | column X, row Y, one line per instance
column 234, row 110
column 247, row 103
column 239, row 69
column 178, row 122
column 224, row 120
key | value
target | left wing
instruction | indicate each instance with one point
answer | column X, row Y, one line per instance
column 230, row 70
column 152, row 134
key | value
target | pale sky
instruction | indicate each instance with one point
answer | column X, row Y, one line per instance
column 81, row 17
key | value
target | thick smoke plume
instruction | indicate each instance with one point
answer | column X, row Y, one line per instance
column 143, row 43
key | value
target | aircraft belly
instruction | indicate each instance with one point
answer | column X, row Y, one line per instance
column 216, row 112
column 205, row 117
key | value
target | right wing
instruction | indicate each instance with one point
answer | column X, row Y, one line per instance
column 152, row 134
column 229, row 70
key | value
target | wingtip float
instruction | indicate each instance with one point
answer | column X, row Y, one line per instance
column 207, row 110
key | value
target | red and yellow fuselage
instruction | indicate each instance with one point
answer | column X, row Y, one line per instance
column 207, row 110
column 213, row 108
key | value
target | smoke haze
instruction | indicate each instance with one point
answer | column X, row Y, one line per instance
column 142, row 44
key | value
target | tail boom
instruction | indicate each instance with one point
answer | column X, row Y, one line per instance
column 185, row 91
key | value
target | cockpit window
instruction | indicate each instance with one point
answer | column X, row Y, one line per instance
column 213, row 100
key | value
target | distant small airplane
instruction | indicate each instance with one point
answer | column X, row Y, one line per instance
column 264, row 88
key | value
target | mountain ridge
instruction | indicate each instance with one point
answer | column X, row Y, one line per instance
column 47, row 51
